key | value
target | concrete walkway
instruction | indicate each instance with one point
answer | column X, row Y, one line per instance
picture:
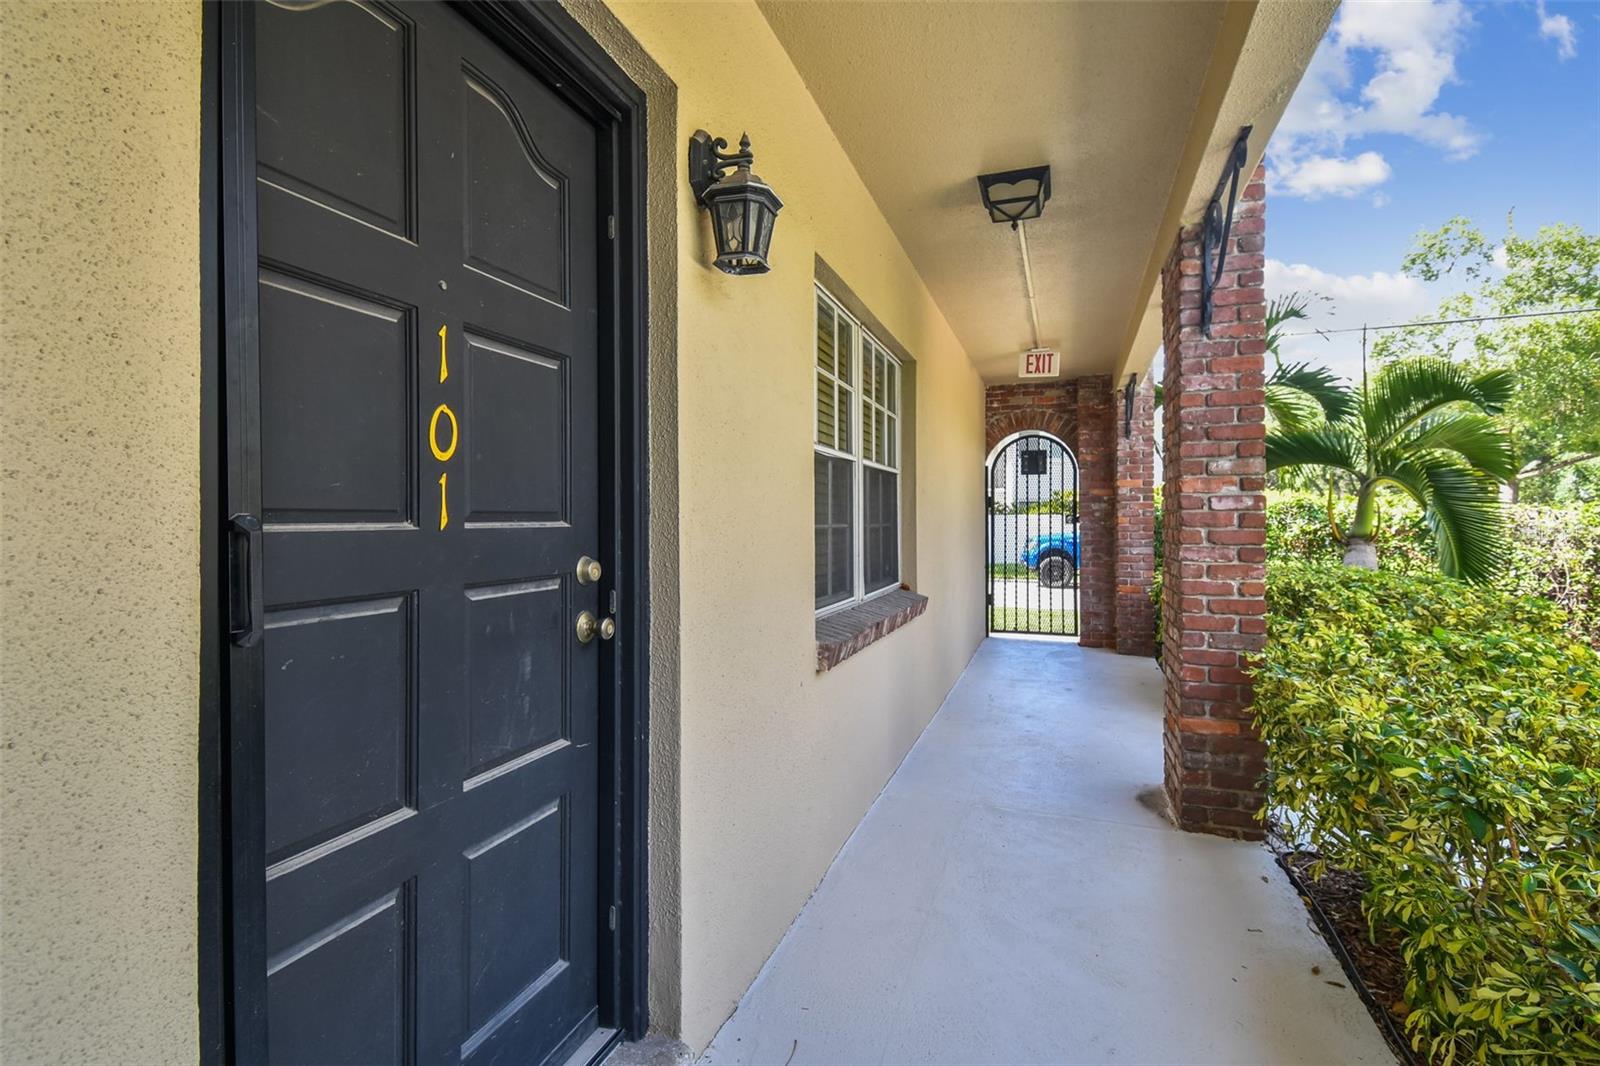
column 1009, row 899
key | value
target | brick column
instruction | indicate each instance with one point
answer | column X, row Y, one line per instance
column 1097, row 506
column 1136, row 522
column 1214, row 585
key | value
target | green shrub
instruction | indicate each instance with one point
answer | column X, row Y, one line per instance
column 1063, row 501
column 1297, row 528
column 1443, row 739
column 1554, row 552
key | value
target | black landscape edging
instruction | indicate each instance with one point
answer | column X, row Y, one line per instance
column 1330, row 932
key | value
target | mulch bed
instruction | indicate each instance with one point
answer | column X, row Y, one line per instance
column 1376, row 970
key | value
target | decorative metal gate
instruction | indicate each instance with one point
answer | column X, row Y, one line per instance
column 1033, row 537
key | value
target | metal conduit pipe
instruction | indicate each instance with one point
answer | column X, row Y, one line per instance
column 1027, row 278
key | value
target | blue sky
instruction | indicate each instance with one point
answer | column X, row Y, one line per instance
column 1416, row 111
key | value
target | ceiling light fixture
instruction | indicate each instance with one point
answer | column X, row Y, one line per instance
column 1015, row 195
column 1018, row 196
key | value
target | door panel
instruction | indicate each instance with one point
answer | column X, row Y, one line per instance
column 334, row 113
column 428, row 349
column 336, row 397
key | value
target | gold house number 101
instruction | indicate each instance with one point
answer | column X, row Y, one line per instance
column 445, row 451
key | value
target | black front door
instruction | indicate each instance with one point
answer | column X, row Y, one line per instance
column 427, row 407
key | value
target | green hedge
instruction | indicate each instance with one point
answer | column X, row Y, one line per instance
column 1554, row 552
column 1443, row 739
column 1297, row 528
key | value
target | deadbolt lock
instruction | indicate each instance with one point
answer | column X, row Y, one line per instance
column 588, row 571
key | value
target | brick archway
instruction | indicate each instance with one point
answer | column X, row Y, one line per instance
column 1008, row 425
column 1049, row 408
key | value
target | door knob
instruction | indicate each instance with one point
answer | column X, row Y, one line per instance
column 589, row 627
column 588, row 571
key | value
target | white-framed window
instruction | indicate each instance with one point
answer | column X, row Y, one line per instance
column 857, row 461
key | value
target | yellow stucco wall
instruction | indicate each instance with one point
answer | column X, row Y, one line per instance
column 99, row 503
column 769, row 765
column 778, row 763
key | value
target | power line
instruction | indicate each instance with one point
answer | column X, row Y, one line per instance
column 1440, row 322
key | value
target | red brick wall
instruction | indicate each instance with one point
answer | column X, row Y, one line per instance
column 1136, row 522
column 1052, row 407
column 1214, row 523
column 1097, row 513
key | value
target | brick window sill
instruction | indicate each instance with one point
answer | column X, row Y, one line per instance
column 841, row 635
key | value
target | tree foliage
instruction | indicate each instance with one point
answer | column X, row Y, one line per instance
column 1425, row 427
column 1554, row 412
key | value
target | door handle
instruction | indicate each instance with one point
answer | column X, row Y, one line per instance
column 589, row 627
column 244, row 565
column 588, row 571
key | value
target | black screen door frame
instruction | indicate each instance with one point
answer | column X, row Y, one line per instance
column 232, row 827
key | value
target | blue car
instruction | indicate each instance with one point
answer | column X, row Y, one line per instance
column 1055, row 557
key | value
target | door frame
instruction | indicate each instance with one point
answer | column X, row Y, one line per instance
column 231, row 965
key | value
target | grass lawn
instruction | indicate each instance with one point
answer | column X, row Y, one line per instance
column 1009, row 570
column 1020, row 619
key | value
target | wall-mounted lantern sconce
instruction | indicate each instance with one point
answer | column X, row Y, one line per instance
column 743, row 207
column 1129, row 392
column 1015, row 195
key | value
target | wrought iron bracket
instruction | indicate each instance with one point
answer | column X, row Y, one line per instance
column 1218, row 225
column 708, row 158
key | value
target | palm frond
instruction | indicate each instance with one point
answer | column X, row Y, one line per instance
column 1338, row 446
column 1321, row 384
column 1289, row 408
column 1289, row 307
column 1481, row 440
column 1463, row 509
column 1405, row 392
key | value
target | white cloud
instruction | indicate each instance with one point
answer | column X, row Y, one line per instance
column 1560, row 29
column 1345, row 301
column 1411, row 48
column 1314, row 177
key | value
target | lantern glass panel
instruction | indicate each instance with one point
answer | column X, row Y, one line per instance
column 730, row 216
column 763, row 228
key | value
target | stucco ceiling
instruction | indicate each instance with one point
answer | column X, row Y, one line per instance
column 926, row 96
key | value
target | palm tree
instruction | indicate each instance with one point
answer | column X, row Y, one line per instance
column 1426, row 427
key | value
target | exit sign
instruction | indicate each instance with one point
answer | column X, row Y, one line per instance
column 1040, row 363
